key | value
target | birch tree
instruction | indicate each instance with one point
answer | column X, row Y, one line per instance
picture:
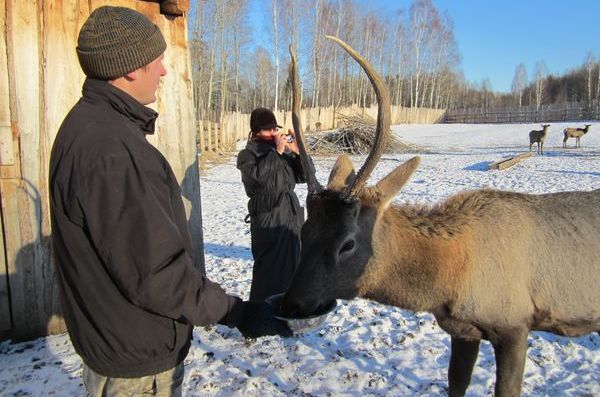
column 598, row 82
column 398, row 51
column 263, row 70
column 590, row 62
column 519, row 83
column 198, row 51
column 487, row 92
column 540, row 75
column 213, row 53
column 419, row 25
column 276, row 54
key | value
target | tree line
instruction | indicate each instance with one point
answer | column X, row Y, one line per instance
column 581, row 84
column 241, row 61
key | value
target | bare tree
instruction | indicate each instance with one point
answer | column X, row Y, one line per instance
column 263, row 70
column 276, row 54
column 598, row 82
column 443, row 53
column 240, row 40
column 519, row 82
column 540, row 75
column 213, row 53
column 590, row 62
column 420, row 14
column 398, row 51
column 197, row 51
column 334, row 77
column 487, row 92
column 223, row 21
column 316, row 52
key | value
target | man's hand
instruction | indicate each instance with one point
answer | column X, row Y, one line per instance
column 255, row 319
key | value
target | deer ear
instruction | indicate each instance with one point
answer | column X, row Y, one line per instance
column 389, row 186
column 342, row 174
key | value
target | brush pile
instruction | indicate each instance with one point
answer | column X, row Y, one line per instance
column 354, row 136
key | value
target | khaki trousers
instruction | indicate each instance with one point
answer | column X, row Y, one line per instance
column 164, row 384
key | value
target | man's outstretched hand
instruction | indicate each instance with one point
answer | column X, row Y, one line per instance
column 255, row 319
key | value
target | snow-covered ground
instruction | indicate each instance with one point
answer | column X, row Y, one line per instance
column 364, row 348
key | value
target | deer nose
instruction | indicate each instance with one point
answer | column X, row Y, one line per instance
column 295, row 307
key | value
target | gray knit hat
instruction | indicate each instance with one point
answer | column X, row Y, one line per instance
column 117, row 40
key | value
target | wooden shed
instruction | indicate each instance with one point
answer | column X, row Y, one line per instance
column 40, row 80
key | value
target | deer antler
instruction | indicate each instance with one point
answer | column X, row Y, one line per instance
column 309, row 169
column 383, row 120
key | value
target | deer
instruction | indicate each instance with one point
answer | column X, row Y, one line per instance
column 488, row 264
column 576, row 133
column 538, row 136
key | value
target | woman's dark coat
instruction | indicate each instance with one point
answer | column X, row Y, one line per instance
column 276, row 216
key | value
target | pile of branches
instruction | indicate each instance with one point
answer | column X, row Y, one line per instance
column 354, row 136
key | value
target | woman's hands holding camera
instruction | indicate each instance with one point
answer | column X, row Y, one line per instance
column 286, row 141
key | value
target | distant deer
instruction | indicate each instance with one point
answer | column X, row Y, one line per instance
column 576, row 133
column 538, row 136
column 488, row 264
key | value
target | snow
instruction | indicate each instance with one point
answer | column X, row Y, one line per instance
column 363, row 348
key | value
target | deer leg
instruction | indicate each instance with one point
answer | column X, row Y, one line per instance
column 542, row 147
column 462, row 359
column 511, row 351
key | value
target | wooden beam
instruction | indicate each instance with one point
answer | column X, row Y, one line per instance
column 509, row 162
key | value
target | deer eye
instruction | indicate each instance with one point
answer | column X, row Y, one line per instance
column 348, row 246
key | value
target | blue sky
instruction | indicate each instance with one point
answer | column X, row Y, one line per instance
column 495, row 36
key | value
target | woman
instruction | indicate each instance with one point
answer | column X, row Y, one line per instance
column 270, row 168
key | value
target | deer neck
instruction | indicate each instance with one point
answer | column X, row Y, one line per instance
column 420, row 261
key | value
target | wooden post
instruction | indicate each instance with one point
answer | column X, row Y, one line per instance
column 6, row 159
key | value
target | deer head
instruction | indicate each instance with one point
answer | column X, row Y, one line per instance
column 338, row 236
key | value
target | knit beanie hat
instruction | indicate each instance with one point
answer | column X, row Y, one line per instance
column 262, row 119
column 117, row 40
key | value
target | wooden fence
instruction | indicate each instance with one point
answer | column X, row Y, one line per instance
column 555, row 113
column 235, row 126
column 40, row 80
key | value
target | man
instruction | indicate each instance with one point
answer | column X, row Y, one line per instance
column 129, row 290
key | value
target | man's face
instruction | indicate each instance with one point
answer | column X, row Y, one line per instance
column 148, row 78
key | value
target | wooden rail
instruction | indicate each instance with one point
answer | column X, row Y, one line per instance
column 553, row 113
column 508, row 162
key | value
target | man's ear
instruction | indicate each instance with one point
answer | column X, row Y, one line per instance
column 133, row 75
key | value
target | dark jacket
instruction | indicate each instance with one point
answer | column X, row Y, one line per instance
column 275, row 214
column 129, row 289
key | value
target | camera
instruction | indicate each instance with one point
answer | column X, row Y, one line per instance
column 289, row 138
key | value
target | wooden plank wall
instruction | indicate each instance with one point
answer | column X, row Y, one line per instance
column 40, row 80
column 6, row 158
column 235, row 126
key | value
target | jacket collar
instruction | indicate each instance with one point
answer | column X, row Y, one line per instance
column 258, row 147
column 99, row 90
